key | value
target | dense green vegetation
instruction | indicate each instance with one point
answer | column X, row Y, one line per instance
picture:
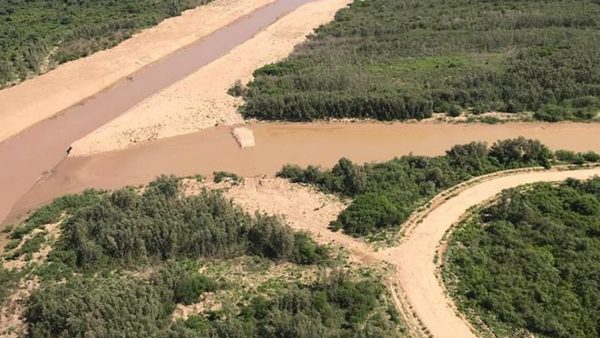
column 35, row 34
column 385, row 194
column 333, row 307
column 336, row 306
column 126, row 228
column 124, row 260
column 401, row 59
column 532, row 261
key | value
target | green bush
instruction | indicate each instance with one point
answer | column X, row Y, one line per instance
column 237, row 89
column 385, row 194
column 191, row 286
column 591, row 156
column 221, row 176
column 454, row 111
column 530, row 261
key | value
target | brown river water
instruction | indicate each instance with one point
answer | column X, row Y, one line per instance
column 277, row 144
column 28, row 155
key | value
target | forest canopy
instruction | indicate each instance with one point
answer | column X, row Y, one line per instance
column 531, row 261
column 402, row 59
column 36, row 34
column 386, row 194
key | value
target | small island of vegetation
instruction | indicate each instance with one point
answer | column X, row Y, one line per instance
column 385, row 194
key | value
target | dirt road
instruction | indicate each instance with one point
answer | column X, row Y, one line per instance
column 414, row 258
column 309, row 210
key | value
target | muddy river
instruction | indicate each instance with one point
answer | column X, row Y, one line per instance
column 277, row 144
column 27, row 156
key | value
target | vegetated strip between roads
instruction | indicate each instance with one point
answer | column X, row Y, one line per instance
column 415, row 258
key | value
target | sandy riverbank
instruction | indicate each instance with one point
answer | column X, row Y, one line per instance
column 201, row 100
column 46, row 95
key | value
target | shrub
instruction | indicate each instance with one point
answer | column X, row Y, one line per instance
column 454, row 111
column 221, row 176
column 591, row 156
column 237, row 89
column 191, row 286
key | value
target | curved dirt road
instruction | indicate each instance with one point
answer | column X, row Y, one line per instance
column 418, row 293
column 415, row 257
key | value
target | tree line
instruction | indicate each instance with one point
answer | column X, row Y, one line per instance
column 38, row 34
column 397, row 60
column 126, row 228
column 386, row 194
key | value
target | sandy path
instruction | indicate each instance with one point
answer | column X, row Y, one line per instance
column 46, row 95
column 414, row 258
column 201, row 100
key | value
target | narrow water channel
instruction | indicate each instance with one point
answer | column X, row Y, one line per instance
column 27, row 156
column 280, row 143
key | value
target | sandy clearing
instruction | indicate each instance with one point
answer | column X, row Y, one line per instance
column 48, row 94
column 414, row 258
column 303, row 207
column 201, row 101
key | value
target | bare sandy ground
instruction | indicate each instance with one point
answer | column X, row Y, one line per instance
column 415, row 257
column 201, row 100
column 30, row 102
column 304, row 208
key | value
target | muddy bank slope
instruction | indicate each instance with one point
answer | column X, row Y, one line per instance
column 201, row 100
column 42, row 97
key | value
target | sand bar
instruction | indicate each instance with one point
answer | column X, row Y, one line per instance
column 200, row 100
column 43, row 96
